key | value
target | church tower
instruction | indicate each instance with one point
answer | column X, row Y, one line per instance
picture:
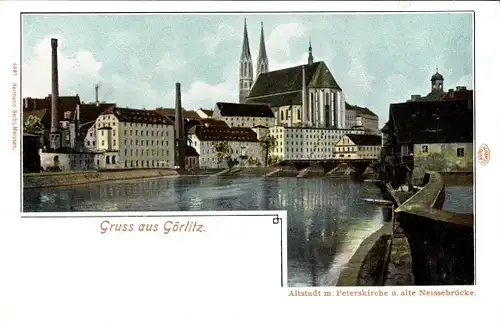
column 262, row 61
column 310, row 59
column 246, row 68
column 437, row 82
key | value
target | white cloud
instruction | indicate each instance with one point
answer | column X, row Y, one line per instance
column 76, row 71
column 169, row 63
column 360, row 75
column 202, row 94
column 466, row 81
column 213, row 40
column 278, row 43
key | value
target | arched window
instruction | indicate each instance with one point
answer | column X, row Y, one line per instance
column 147, row 163
column 142, row 163
column 245, row 69
column 136, row 163
column 113, row 159
column 107, row 160
column 298, row 114
column 125, row 163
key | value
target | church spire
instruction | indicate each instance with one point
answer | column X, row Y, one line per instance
column 310, row 59
column 246, row 66
column 245, row 50
column 262, row 61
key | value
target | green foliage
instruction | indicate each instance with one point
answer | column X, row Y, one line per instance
column 33, row 125
column 267, row 144
column 274, row 160
column 222, row 150
column 253, row 161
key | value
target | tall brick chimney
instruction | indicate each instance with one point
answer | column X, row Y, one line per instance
column 55, row 135
column 180, row 144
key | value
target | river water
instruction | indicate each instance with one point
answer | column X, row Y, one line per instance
column 327, row 218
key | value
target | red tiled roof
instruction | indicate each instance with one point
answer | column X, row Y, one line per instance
column 41, row 114
column 146, row 116
column 208, row 122
column 361, row 110
column 208, row 112
column 460, row 94
column 66, row 103
column 90, row 112
column 188, row 114
column 224, row 134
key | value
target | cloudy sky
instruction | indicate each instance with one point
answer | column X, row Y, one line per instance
column 137, row 59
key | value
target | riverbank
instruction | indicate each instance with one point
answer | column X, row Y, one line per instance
column 61, row 179
column 44, row 180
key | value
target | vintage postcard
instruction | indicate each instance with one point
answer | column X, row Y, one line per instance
column 171, row 155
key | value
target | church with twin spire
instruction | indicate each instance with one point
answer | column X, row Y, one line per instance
column 301, row 96
column 246, row 64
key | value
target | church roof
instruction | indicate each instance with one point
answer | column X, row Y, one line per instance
column 244, row 110
column 282, row 87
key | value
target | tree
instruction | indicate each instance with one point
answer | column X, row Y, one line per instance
column 33, row 125
column 268, row 143
column 222, row 150
column 275, row 160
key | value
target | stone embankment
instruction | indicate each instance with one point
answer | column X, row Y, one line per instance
column 423, row 245
column 78, row 178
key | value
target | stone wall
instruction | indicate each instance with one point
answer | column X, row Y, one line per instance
column 444, row 158
column 367, row 267
column 441, row 243
column 78, row 178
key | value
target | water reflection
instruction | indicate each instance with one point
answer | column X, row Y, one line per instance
column 325, row 216
column 459, row 199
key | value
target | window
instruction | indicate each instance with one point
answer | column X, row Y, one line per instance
column 425, row 149
column 460, row 152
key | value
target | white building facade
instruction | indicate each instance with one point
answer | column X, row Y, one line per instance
column 244, row 115
column 296, row 144
column 242, row 142
column 134, row 138
column 358, row 147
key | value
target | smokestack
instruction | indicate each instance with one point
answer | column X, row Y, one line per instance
column 180, row 144
column 97, row 95
column 54, row 124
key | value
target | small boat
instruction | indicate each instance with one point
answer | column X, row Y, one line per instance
column 378, row 201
